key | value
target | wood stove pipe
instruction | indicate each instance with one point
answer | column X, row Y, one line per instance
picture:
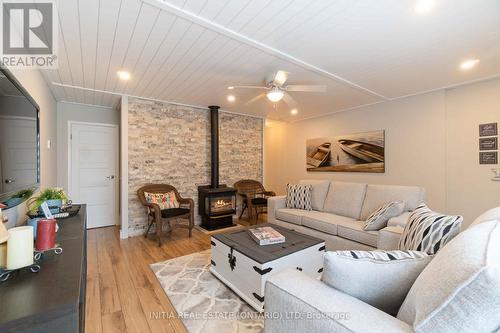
column 214, row 145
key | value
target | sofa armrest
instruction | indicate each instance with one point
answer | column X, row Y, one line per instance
column 388, row 238
column 274, row 203
column 296, row 302
column 399, row 221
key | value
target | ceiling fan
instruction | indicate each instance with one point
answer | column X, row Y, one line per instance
column 277, row 90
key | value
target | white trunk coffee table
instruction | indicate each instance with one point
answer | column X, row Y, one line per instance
column 244, row 266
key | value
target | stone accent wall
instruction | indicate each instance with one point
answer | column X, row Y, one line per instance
column 171, row 144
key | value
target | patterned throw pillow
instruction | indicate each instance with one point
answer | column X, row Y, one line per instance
column 378, row 219
column 379, row 278
column 298, row 196
column 429, row 231
column 164, row 200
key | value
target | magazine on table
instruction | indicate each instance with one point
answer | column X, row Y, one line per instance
column 266, row 236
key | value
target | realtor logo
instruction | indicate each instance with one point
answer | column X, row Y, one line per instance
column 29, row 34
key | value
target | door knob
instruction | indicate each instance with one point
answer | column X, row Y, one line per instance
column 9, row 181
column 111, row 177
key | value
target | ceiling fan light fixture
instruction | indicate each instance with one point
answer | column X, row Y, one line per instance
column 275, row 95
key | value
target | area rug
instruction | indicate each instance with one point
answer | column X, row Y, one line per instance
column 203, row 303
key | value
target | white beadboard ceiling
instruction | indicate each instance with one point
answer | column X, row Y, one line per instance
column 189, row 51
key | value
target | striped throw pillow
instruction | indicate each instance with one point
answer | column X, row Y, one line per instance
column 298, row 196
column 429, row 231
column 379, row 278
column 378, row 219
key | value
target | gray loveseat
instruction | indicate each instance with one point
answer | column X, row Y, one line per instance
column 339, row 212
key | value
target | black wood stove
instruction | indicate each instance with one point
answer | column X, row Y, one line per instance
column 216, row 202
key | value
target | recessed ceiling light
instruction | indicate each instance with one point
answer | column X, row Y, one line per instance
column 231, row 98
column 294, row 111
column 468, row 64
column 230, row 87
column 424, row 6
column 123, row 75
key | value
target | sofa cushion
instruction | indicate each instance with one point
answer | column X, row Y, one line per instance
column 459, row 291
column 345, row 199
column 489, row 215
column 377, row 195
column 353, row 230
column 324, row 222
column 378, row 219
column 429, row 231
column 318, row 192
column 379, row 278
column 290, row 215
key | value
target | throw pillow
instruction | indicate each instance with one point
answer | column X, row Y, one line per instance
column 378, row 219
column 459, row 291
column 164, row 200
column 379, row 278
column 429, row 231
column 298, row 196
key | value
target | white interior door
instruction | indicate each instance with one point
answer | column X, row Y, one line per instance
column 18, row 152
column 94, row 171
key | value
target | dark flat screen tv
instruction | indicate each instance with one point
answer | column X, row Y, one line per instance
column 19, row 142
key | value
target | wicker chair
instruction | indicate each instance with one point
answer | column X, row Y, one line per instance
column 253, row 195
column 157, row 216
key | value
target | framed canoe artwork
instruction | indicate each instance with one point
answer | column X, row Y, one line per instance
column 361, row 152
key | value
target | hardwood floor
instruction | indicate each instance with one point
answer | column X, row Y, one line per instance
column 122, row 291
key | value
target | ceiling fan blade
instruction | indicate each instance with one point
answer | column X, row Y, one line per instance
column 290, row 101
column 255, row 99
column 280, row 78
column 250, row 87
column 306, row 88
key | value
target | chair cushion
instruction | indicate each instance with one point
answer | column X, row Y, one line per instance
column 259, row 201
column 379, row 218
column 353, row 230
column 459, row 291
column 429, row 231
column 379, row 278
column 345, row 199
column 377, row 195
column 325, row 222
column 489, row 215
column 290, row 215
column 164, row 200
column 298, row 196
column 318, row 192
column 172, row 212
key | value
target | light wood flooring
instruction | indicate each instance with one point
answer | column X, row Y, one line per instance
column 122, row 291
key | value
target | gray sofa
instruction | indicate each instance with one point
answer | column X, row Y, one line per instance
column 339, row 212
column 458, row 291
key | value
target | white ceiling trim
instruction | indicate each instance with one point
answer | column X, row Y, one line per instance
column 254, row 43
column 58, row 84
column 452, row 86
column 85, row 104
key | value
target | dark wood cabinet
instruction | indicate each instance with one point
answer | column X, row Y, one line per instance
column 52, row 300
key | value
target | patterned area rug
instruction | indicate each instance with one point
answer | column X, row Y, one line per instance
column 203, row 302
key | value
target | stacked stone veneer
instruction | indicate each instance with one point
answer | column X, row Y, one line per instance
column 170, row 144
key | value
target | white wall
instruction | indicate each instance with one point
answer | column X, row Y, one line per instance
column 67, row 112
column 431, row 141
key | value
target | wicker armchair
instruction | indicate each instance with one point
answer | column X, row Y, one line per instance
column 253, row 195
column 157, row 216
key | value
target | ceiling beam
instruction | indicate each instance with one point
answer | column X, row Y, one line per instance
column 213, row 26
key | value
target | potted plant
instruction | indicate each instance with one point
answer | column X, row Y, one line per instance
column 54, row 198
column 19, row 197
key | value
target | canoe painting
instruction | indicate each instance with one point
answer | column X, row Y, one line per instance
column 361, row 152
column 319, row 156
